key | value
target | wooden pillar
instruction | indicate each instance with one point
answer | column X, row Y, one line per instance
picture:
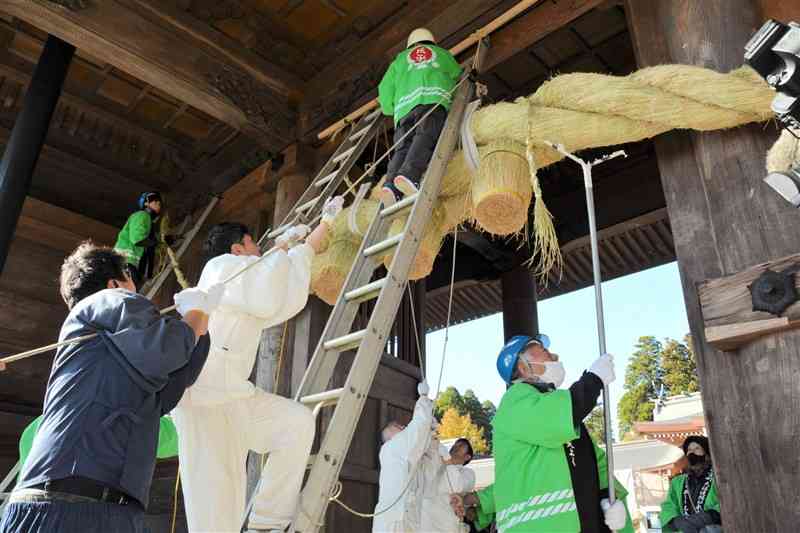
column 276, row 351
column 520, row 316
column 724, row 219
column 28, row 135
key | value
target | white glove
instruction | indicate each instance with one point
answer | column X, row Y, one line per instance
column 292, row 236
column 195, row 299
column 614, row 514
column 603, row 367
column 423, row 389
column 333, row 206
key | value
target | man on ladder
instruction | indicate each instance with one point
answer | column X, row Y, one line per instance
column 223, row 415
column 138, row 238
column 417, row 87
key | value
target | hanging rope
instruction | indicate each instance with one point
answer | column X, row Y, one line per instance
column 173, row 259
column 175, row 499
column 416, row 331
column 449, row 311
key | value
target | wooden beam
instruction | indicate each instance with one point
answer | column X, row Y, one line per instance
column 508, row 36
column 532, row 27
column 727, row 307
column 269, row 74
column 354, row 81
column 22, row 73
column 724, row 221
column 166, row 59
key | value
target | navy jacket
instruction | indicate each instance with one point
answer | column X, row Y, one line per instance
column 105, row 397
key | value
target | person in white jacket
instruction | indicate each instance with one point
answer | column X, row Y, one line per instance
column 399, row 507
column 223, row 415
column 445, row 473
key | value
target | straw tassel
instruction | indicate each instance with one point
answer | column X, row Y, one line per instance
column 545, row 239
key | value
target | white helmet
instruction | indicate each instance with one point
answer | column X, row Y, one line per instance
column 419, row 35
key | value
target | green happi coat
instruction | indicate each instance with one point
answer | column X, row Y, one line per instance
column 673, row 505
column 420, row 74
column 532, row 491
column 136, row 229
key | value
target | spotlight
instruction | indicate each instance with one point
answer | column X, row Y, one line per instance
column 787, row 184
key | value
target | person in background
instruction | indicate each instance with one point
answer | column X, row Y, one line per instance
column 692, row 505
column 549, row 474
column 400, row 483
column 92, row 459
column 444, row 473
column 138, row 238
column 420, row 80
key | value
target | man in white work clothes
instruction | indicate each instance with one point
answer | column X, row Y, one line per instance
column 223, row 415
column 444, row 473
column 399, row 496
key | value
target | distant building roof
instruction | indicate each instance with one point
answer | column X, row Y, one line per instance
column 644, row 454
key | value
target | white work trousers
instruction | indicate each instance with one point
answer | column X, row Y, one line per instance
column 213, row 445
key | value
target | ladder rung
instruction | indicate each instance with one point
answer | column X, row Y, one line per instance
column 373, row 115
column 326, row 179
column 308, row 205
column 346, row 342
column 400, row 206
column 274, row 233
column 327, row 396
column 382, row 246
column 366, row 292
column 344, row 155
column 360, row 133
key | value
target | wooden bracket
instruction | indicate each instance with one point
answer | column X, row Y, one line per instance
column 727, row 307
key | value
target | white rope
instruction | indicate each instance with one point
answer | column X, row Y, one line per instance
column 416, row 331
column 449, row 311
column 84, row 338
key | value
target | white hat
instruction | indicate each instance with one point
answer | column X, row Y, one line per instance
column 419, row 35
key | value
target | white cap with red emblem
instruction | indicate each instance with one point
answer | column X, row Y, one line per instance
column 419, row 35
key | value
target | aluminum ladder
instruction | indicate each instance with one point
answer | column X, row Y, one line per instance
column 370, row 342
column 308, row 208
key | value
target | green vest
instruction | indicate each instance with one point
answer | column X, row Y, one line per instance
column 420, row 74
column 532, row 491
column 136, row 229
column 673, row 505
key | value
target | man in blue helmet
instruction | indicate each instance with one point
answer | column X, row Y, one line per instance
column 138, row 239
column 549, row 474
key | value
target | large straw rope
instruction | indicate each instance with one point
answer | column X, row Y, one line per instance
column 585, row 110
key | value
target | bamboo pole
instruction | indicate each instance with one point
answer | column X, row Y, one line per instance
column 472, row 40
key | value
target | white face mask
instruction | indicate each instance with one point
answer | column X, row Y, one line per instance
column 553, row 373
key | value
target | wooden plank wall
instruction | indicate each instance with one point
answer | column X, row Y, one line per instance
column 392, row 397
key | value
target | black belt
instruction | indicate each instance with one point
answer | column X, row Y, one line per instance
column 88, row 488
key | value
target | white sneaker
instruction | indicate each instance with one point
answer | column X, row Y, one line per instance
column 387, row 196
column 406, row 186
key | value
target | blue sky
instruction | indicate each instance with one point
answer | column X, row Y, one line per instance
column 646, row 303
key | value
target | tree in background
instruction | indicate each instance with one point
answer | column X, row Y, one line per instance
column 447, row 399
column 480, row 414
column 654, row 369
column 680, row 371
column 455, row 425
column 595, row 425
